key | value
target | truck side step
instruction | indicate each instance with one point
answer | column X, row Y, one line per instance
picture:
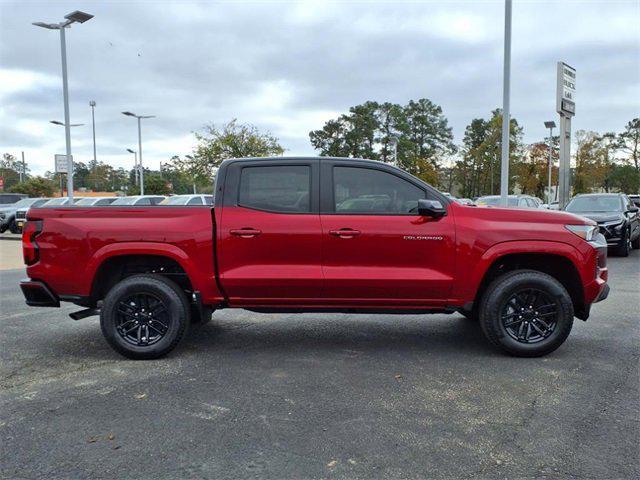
column 87, row 312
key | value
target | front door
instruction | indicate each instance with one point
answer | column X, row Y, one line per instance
column 377, row 250
column 270, row 234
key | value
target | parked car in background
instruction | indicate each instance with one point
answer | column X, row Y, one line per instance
column 188, row 200
column 56, row 202
column 616, row 215
column 8, row 214
column 135, row 200
column 10, row 198
column 94, row 201
column 635, row 199
column 279, row 240
column 554, row 206
column 515, row 201
column 21, row 213
column 465, row 201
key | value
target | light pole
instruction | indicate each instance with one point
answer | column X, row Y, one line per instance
column 139, row 117
column 135, row 164
column 394, row 142
column 506, row 118
column 92, row 104
column 57, row 122
column 73, row 17
column 550, row 125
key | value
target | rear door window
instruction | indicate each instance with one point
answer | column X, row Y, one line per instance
column 195, row 201
column 275, row 188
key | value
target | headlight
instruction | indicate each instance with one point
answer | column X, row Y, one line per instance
column 586, row 232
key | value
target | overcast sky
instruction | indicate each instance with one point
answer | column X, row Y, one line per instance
column 288, row 67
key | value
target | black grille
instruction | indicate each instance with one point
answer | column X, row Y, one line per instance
column 21, row 215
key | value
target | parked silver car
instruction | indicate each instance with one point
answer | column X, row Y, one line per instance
column 188, row 200
column 8, row 213
column 138, row 200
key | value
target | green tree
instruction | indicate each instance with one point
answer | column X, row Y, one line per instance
column 369, row 130
column 624, row 178
column 592, row 163
column 36, row 187
column 10, row 169
column 478, row 170
column 232, row 140
column 629, row 142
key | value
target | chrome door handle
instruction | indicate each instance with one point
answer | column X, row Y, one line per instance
column 345, row 233
column 245, row 232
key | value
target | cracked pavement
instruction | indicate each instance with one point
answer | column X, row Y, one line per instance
column 321, row 396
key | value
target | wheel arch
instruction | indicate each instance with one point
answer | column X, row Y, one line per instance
column 118, row 261
column 557, row 265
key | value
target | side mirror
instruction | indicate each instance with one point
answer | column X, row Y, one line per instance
column 633, row 210
column 431, row 208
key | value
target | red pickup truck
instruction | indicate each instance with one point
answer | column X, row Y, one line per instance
column 316, row 235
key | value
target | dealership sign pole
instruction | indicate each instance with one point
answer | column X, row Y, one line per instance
column 566, row 107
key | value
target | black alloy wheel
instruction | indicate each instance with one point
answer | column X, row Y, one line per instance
column 529, row 315
column 142, row 319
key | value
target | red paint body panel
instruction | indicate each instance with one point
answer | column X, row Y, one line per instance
column 75, row 241
column 297, row 260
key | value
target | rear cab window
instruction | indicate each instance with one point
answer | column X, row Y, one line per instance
column 276, row 188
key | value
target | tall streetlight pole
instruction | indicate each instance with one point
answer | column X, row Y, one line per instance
column 506, row 118
column 139, row 117
column 73, row 17
column 135, row 164
column 92, row 104
column 394, row 143
column 550, row 125
column 67, row 125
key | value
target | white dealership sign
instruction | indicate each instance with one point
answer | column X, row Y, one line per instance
column 566, row 90
column 62, row 164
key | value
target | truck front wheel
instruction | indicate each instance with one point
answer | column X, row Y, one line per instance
column 526, row 313
column 144, row 316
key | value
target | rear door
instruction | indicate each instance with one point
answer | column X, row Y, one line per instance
column 377, row 250
column 269, row 233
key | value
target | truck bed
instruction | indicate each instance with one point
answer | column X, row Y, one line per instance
column 75, row 241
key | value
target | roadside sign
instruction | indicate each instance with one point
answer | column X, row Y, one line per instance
column 61, row 163
column 566, row 90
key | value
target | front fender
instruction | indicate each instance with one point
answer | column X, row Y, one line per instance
column 470, row 282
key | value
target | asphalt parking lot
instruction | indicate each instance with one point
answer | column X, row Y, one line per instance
column 321, row 396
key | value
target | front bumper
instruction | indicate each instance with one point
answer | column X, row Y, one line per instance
column 38, row 294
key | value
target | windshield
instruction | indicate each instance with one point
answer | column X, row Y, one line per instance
column 495, row 201
column 595, row 204
column 57, row 201
column 26, row 202
column 86, row 201
column 177, row 200
column 125, row 201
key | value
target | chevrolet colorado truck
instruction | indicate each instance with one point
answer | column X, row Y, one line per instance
column 316, row 235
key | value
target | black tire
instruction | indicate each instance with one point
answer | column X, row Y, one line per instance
column 636, row 243
column 625, row 246
column 163, row 324
column 13, row 228
column 502, row 317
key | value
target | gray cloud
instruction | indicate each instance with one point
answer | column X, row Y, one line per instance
column 287, row 67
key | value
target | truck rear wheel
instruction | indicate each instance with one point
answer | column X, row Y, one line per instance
column 526, row 313
column 144, row 316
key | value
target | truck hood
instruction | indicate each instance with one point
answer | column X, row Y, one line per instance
column 527, row 215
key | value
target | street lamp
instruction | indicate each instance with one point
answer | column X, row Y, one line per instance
column 139, row 117
column 73, row 17
column 56, row 122
column 92, row 104
column 506, row 118
column 550, row 125
column 136, row 172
